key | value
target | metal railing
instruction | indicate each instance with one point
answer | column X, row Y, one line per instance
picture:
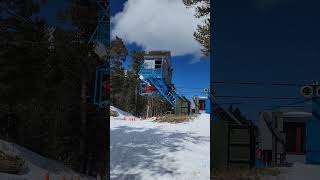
column 151, row 71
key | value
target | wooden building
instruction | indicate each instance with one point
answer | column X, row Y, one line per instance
column 182, row 106
column 233, row 140
column 282, row 134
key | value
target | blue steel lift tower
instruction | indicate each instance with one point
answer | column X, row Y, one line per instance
column 312, row 92
column 155, row 76
column 101, row 35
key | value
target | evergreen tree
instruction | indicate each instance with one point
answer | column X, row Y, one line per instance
column 118, row 54
column 83, row 15
column 44, row 85
column 137, row 60
column 23, row 52
column 202, row 35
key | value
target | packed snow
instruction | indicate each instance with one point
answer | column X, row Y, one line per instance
column 301, row 171
column 144, row 149
column 36, row 166
column 121, row 114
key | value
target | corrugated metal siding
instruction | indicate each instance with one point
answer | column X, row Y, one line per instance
column 220, row 144
column 182, row 107
column 241, row 147
column 265, row 135
column 239, row 153
column 239, row 136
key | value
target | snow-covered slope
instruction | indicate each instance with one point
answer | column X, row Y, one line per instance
column 36, row 165
column 121, row 113
column 151, row 150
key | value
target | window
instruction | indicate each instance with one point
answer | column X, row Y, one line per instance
column 149, row 64
column 158, row 64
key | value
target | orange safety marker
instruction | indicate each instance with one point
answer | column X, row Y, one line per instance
column 78, row 178
column 46, row 177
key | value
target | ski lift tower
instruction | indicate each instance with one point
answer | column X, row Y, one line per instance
column 101, row 38
column 312, row 92
column 156, row 76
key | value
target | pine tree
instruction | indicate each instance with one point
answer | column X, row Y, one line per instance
column 137, row 60
column 202, row 35
column 118, row 54
column 22, row 54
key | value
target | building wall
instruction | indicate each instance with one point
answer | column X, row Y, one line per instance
column 202, row 104
column 182, row 107
column 207, row 106
column 265, row 136
column 166, row 66
column 220, row 144
column 295, row 137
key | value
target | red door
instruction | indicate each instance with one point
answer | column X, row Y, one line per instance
column 201, row 105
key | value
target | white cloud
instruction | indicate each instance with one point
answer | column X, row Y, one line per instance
column 158, row 25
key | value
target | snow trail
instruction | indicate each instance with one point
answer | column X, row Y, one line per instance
column 143, row 150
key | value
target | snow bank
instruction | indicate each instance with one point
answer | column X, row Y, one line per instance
column 36, row 165
column 121, row 112
column 152, row 150
column 122, row 115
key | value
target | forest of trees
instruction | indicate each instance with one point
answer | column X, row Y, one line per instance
column 45, row 80
column 45, row 77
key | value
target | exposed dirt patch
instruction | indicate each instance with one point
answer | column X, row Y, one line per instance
column 245, row 174
column 175, row 118
column 114, row 113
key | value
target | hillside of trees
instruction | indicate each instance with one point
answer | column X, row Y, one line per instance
column 45, row 79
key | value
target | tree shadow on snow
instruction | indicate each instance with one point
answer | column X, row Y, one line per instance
column 139, row 148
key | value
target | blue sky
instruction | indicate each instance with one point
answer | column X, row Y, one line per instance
column 50, row 10
column 189, row 78
column 265, row 41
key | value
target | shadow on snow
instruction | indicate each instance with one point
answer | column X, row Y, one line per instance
column 139, row 148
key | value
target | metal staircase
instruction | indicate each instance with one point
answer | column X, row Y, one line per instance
column 164, row 90
column 156, row 72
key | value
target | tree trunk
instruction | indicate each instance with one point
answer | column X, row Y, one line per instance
column 83, row 116
column 53, row 132
column 136, row 97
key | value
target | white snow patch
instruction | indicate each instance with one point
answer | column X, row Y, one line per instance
column 152, row 150
column 36, row 165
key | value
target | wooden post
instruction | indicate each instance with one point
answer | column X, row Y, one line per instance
column 147, row 111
